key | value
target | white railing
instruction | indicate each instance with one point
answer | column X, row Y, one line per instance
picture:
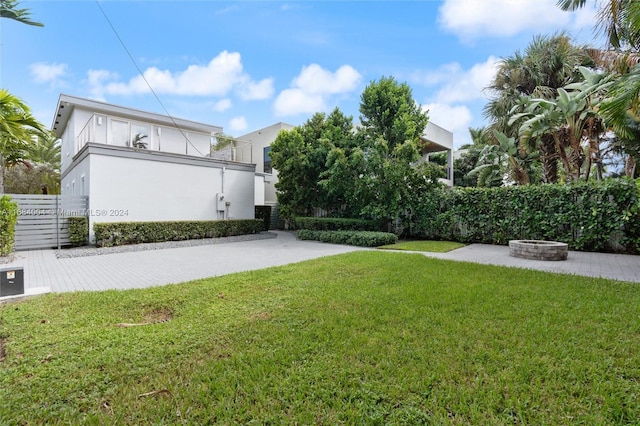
column 112, row 130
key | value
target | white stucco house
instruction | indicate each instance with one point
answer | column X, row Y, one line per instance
column 254, row 148
column 439, row 140
column 141, row 166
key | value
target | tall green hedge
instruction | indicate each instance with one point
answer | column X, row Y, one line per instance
column 8, row 220
column 336, row 224
column 593, row 216
column 121, row 233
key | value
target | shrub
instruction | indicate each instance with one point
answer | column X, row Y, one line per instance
column 8, row 220
column 351, row 238
column 121, row 233
column 78, row 230
column 589, row 216
column 336, row 224
column 264, row 213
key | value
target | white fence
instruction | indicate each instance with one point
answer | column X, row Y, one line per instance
column 43, row 220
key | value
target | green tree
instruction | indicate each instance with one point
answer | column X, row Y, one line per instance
column 17, row 130
column 572, row 120
column 300, row 156
column 9, row 9
column 40, row 171
column 392, row 123
column 548, row 63
column 388, row 111
column 620, row 21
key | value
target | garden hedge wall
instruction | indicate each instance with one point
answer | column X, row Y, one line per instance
column 121, row 233
column 351, row 238
column 593, row 216
column 336, row 224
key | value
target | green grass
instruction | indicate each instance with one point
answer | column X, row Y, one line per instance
column 360, row 338
column 430, row 246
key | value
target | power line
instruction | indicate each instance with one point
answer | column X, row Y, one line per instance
column 124, row 46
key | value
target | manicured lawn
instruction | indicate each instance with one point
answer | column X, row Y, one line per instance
column 430, row 246
column 361, row 338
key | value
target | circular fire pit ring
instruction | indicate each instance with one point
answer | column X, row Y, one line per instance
column 538, row 250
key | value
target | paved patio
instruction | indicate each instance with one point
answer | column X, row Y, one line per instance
column 45, row 272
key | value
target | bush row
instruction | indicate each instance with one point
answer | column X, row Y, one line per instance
column 352, row 238
column 121, row 233
column 335, row 224
column 593, row 216
column 8, row 219
column 78, row 230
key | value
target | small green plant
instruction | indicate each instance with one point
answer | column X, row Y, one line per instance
column 138, row 142
column 8, row 220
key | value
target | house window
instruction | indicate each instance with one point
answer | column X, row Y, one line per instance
column 267, row 160
column 119, row 133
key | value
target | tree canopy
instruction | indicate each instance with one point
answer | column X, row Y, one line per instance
column 328, row 165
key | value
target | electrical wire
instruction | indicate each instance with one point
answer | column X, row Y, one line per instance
column 124, row 46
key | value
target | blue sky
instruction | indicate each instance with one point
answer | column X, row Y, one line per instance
column 248, row 64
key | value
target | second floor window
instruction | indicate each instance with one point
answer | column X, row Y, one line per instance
column 267, row 160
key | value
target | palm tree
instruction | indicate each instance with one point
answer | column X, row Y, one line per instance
column 9, row 9
column 45, row 150
column 569, row 121
column 620, row 20
column 17, row 128
column 548, row 63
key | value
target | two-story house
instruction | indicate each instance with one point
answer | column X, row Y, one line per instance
column 141, row 166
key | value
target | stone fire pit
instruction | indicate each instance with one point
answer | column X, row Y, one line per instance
column 538, row 250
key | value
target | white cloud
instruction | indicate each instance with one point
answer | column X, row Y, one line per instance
column 456, row 84
column 222, row 105
column 250, row 90
column 316, row 80
column 470, row 19
column 219, row 77
column 96, row 80
column 311, row 89
column 455, row 118
column 297, row 101
column 238, row 124
column 48, row 73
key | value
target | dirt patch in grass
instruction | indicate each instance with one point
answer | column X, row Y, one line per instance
column 154, row 316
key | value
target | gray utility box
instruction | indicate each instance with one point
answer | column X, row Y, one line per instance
column 11, row 281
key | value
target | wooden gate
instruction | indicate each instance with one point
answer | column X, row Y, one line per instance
column 43, row 220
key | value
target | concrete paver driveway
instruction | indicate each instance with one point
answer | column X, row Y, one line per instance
column 45, row 272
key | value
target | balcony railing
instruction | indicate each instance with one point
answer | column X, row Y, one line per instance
column 111, row 130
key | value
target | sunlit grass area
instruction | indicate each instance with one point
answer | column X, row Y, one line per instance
column 429, row 246
column 361, row 338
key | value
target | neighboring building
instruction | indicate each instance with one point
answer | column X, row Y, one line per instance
column 141, row 166
column 255, row 148
column 439, row 140
column 258, row 144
